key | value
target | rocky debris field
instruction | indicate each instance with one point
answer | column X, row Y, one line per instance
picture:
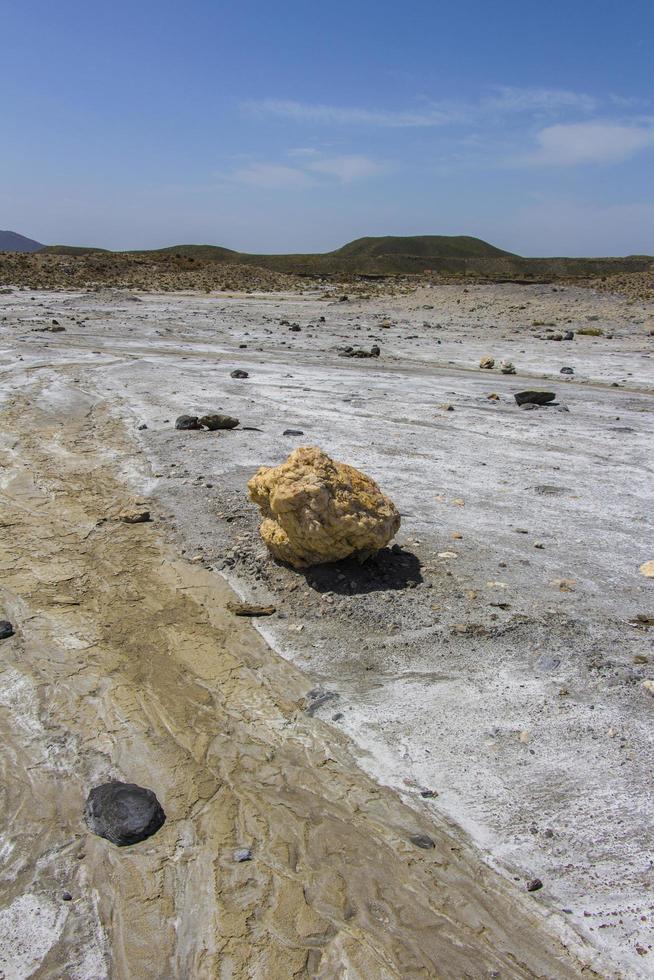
column 124, row 270
column 633, row 285
column 489, row 668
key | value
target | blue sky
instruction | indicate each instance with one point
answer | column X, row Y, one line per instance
column 296, row 126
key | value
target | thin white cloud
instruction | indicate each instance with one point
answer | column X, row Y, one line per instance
column 589, row 142
column 347, row 168
column 310, row 168
column 271, row 175
column 351, row 115
column 501, row 99
column 507, row 98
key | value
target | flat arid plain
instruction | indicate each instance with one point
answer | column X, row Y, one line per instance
column 438, row 763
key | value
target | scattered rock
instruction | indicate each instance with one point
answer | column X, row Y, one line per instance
column 187, row 422
column 295, row 328
column 649, row 686
column 487, row 362
column 567, row 370
column 569, row 335
column 528, row 407
column 214, row 422
column 642, row 619
column 647, row 569
column 316, row 510
column 292, row 432
column 534, row 397
column 243, row 854
column 246, row 609
column 534, row 885
column 134, row 515
column 123, row 813
column 238, row 373
column 357, row 352
column 66, row 897
column 423, row 841
column 6, row 629
column 493, row 397
column 447, row 407
column 507, row 367
column 317, row 698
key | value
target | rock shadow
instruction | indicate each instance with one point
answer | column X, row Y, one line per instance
column 391, row 569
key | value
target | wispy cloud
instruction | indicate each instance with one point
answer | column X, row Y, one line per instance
column 310, row 168
column 506, row 98
column 351, row 115
column 589, row 142
column 500, row 99
column 348, row 168
column 270, row 175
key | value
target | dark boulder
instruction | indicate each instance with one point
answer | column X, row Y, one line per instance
column 213, row 422
column 534, row 397
column 123, row 813
column 6, row 629
column 187, row 422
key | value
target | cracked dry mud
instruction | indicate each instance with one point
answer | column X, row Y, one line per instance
column 126, row 665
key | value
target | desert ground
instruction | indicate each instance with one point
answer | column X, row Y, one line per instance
column 404, row 746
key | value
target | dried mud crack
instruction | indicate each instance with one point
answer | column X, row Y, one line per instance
column 126, row 664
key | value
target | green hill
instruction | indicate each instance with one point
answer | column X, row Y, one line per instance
column 419, row 246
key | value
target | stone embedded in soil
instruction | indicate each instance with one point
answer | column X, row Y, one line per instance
column 567, row 370
column 246, row 609
column 487, row 362
column 243, row 854
column 535, row 397
column 423, row 841
column 123, row 813
column 534, row 885
column 187, row 422
column 214, row 422
column 134, row 515
column 239, row 374
column 316, row 510
column 507, row 367
column 292, row 432
column 6, row 629
column 647, row 569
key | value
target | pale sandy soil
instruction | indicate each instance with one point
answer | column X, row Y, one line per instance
column 478, row 677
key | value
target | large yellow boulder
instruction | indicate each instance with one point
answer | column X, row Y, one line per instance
column 316, row 510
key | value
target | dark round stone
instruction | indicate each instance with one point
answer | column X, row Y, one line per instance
column 187, row 422
column 423, row 841
column 123, row 813
column 6, row 629
column 239, row 374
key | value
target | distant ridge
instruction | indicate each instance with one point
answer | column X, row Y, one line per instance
column 387, row 255
column 381, row 256
column 11, row 241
